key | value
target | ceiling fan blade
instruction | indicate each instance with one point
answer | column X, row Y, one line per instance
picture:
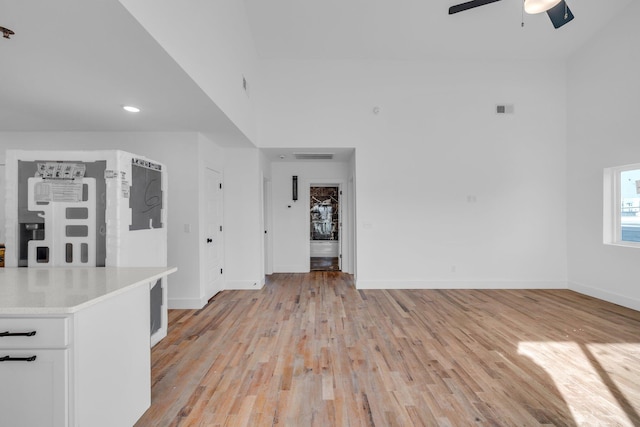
column 469, row 5
column 560, row 14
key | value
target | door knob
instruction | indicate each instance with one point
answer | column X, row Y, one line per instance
column 209, row 240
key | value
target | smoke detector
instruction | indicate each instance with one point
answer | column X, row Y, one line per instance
column 6, row 33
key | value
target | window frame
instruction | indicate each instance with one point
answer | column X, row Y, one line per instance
column 612, row 214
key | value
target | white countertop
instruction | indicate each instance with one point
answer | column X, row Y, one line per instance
column 62, row 290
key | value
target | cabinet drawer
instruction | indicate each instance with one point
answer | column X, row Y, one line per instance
column 49, row 332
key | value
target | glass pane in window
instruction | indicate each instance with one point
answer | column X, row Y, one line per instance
column 630, row 205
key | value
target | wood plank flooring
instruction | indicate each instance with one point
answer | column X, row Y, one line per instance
column 324, row 263
column 311, row 350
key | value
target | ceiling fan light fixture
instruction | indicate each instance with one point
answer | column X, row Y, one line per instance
column 538, row 6
column 6, row 33
column 131, row 108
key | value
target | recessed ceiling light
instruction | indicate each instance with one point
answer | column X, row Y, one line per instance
column 131, row 109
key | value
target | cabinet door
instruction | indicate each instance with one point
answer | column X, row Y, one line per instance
column 34, row 393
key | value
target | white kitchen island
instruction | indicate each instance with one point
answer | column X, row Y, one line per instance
column 74, row 345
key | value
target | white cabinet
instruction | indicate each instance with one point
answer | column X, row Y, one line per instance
column 112, row 361
column 34, row 371
column 34, row 393
column 88, row 368
column 33, row 332
column 82, row 339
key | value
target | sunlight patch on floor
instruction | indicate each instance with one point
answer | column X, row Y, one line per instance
column 598, row 384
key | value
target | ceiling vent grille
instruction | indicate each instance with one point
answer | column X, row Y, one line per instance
column 313, row 156
column 505, row 109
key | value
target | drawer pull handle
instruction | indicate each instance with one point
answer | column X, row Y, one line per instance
column 17, row 359
column 17, row 334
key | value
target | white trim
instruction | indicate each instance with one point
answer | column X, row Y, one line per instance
column 350, row 260
column 470, row 284
column 186, row 303
column 622, row 300
column 252, row 285
column 608, row 207
column 612, row 204
column 293, row 268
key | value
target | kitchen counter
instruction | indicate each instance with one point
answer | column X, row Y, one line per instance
column 75, row 345
column 67, row 290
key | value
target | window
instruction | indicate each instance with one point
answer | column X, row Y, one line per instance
column 622, row 205
column 630, row 205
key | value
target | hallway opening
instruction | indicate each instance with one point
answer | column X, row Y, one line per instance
column 325, row 228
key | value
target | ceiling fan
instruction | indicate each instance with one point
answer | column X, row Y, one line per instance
column 557, row 10
column 6, row 33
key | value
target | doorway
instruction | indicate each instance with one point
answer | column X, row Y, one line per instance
column 325, row 228
column 267, row 225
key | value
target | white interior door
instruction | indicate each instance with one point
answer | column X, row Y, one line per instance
column 213, row 233
column 266, row 202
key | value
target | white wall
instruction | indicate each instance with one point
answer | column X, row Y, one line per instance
column 603, row 91
column 243, row 233
column 179, row 152
column 291, row 219
column 212, row 42
column 449, row 194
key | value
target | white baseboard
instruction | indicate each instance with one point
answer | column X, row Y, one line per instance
column 240, row 285
column 198, row 303
column 185, row 303
column 291, row 269
column 624, row 301
column 470, row 284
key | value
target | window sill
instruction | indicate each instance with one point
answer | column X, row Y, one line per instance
column 635, row 245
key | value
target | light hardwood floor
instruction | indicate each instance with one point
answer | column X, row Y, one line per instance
column 311, row 350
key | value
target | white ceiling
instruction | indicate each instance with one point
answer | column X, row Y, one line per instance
column 418, row 29
column 73, row 63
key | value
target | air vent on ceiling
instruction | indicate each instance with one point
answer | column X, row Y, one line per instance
column 505, row 109
column 313, row 156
